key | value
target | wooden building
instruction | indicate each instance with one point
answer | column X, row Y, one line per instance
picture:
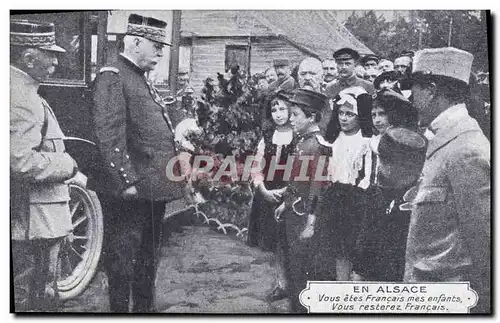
column 213, row 39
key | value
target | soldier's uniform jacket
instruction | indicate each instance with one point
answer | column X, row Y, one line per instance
column 286, row 84
column 134, row 134
column 38, row 166
column 314, row 147
column 301, row 198
column 449, row 234
column 334, row 88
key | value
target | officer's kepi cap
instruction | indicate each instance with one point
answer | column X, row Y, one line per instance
column 310, row 99
column 408, row 53
column 34, row 34
column 281, row 62
column 148, row 27
column 368, row 58
column 345, row 54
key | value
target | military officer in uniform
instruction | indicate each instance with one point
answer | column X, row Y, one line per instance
column 285, row 81
column 450, row 227
column 346, row 59
column 302, row 195
column 135, row 137
column 369, row 61
column 40, row 169
column 182, row 80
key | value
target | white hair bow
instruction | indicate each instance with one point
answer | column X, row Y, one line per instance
column 350, row 100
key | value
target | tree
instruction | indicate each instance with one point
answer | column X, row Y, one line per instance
column 468, row 31
column 387, row 39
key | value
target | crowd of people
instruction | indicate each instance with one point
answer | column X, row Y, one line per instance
column 404, row 192
column 392, row 209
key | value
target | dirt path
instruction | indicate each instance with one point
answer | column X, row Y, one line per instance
column 201, row 271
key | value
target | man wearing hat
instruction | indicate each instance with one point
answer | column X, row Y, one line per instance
column 182, row 80
column 408, row 53
column 302, row 194
column 346, row 59
column 135, row 137
column 450, row 228
column 403, row 66
column 369, row 61
column 285, row 81
column 40, row 169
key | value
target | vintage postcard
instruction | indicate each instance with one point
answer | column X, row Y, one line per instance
column 250, row 161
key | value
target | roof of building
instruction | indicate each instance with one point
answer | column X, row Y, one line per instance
column 314, row 31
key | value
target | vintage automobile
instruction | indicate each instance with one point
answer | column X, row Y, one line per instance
column 89, row 46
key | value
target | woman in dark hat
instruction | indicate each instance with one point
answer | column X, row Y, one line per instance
column 350, row 130
column 276, row 143
column 387, row 80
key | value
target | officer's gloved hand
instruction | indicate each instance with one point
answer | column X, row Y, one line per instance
column 79, row 179
column 129, row 193
column 271, row 196
column 308, row 231
column 278, row 213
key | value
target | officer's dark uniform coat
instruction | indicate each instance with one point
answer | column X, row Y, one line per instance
column 135, row 139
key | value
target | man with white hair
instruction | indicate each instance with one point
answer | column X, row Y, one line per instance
column 135, row 138
column 310, row 77
column 310, row 74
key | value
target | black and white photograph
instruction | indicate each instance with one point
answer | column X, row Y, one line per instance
column 250, row 162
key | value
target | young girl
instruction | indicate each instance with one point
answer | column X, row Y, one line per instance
column 275, row 146
column 381, row 241
column 350, row 167
column 390, row 109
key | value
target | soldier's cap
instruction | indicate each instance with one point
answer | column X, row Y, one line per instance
column 368, row 58
column 34, row 34
column 408, row 53
column 281, row 62
column 310, row 99
column 183, row 70
column 402, row 144
column 148, row 27
column 345, row 54
column 451, row 63
column 391, row 76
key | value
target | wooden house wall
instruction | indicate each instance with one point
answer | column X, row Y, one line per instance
column 208, row 55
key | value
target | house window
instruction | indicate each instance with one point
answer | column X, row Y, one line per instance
column 237, row 54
